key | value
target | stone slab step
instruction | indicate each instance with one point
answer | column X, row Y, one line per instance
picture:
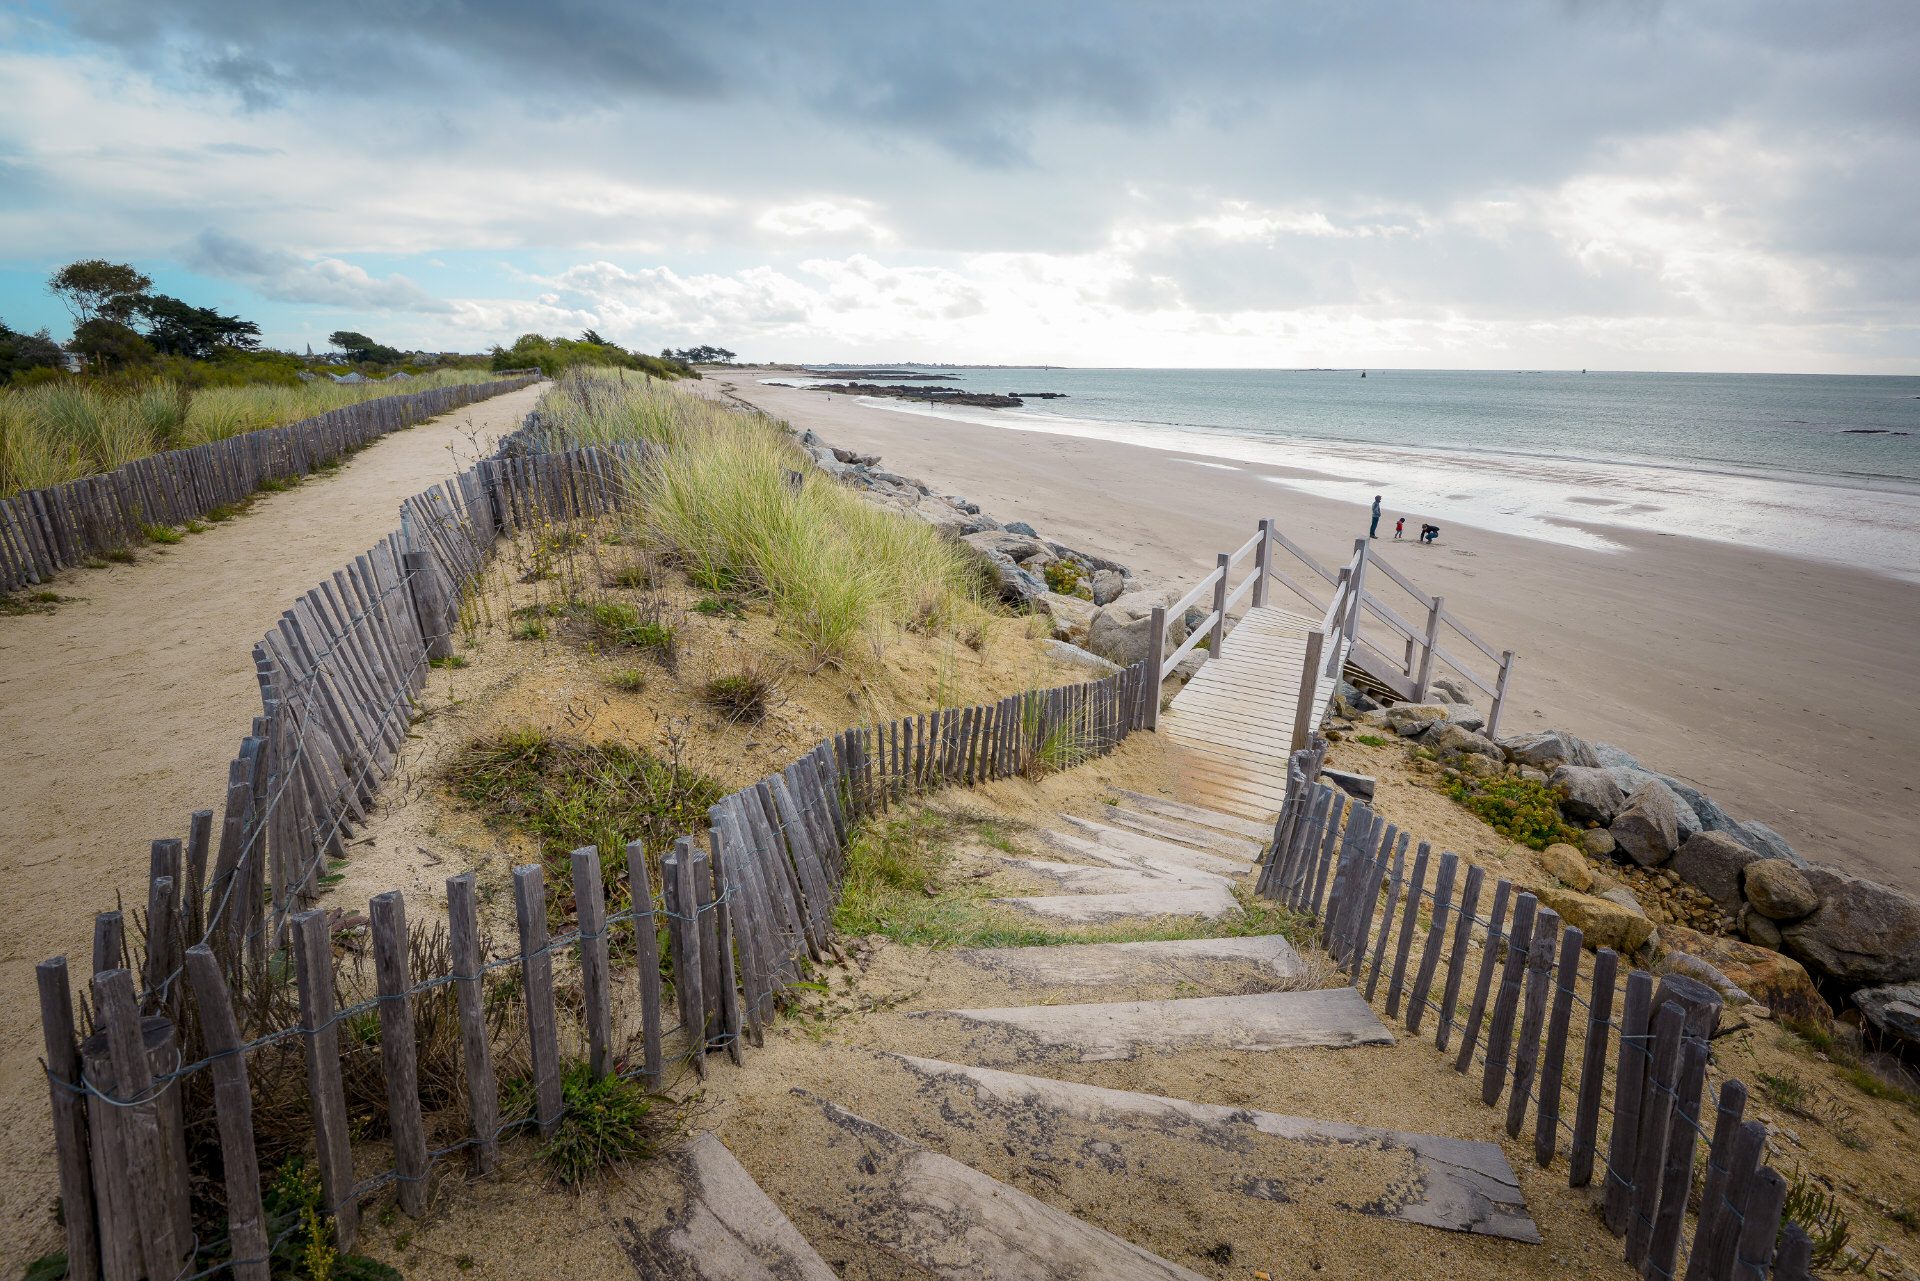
column 880, row 1199
column 1082, row 878
column 707, row 1220
column 1107, row 1030
column 1186, row 832
column 1211, row 902
column 1195, row 814
column 1185, row 1152
column 1140, row 844
column 1122, row 849
column 1262, row 960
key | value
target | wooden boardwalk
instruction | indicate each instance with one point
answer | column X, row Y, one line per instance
column 1232, row 726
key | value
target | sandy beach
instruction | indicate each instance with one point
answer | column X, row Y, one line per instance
column 1781, row 687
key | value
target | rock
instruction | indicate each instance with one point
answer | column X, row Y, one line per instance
column 1631, row 780
column 1531, row 774
column 1018, row 587
column 1450, row 737
column 1623, row 897
column 1778, row 982
column 1454, row 691
column 1569, row 866
column 1602, row 922
column 1410, row 720
column 943, row 516
column 1547, row 749
column 1863, row 932
column 1359, row 786
column 1072, row 617
column 1769, row 842
column 1606, row 754
column 1648, row 829
column 1016, row 546
column 1189, row 667
column 1108, row 586
column 1714, row 862
column 1757, row 929
column 1712, row 818
column 1599, row 842
column 1689, row 966
column 1021, row 527
column 1119, row 630
column 1893, row 1010
column 1081, row 658
column 1778, row 890
column 1592, row 795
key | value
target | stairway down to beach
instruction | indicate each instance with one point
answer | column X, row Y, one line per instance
column 974, row 1142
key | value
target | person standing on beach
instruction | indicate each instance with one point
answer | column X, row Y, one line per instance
column 1399, row 528
column 1373, row 530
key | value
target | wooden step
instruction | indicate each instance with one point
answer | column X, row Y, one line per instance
column 1166, row 807
column 699, row 1216
column 1209, row 902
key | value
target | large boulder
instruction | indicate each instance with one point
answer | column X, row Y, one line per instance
column 1631, row 780
column 1704, row 808
column 1410, row 720
column 1602, row 923
column 1606, row 754
column 1713, row 861
column 1779, row 891
column 1453, row 691
column 1769, row 842
column 1863, row 932
column 1649, row 828
column 1449, row 737
column 1018, row 547
column 1072, row 617
column 1757, row 929
column 1780, row 982
column 1108, row 586
column 943, row 516
column 1599, row 842
column 1893, row 1010
column 1120, row 630
column 1592, row 795
column 1568, row 866
column 1019, row 587
column 1548, row 749
column 1080, row 658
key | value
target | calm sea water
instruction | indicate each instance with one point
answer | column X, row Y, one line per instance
column 1813, row 465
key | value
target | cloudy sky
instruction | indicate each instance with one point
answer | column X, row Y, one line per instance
column 1700, row 185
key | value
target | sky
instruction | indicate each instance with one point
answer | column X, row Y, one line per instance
column 1514, row 184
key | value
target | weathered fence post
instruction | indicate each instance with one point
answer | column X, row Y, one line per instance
column 326, row 1093
column 536, row 981
column 398, row 1055
column 69, row 1120
column 233, row 1104
column 1156, row 659
column 476, row 1053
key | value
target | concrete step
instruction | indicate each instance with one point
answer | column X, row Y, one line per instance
column 1221, row 967
column 1141, row 845
column 1169, row 831
column 705, row 1219
column 1010, row 1035
column 1210, row 1156
column 1103, row 878
column 1209, row 902
column 879, row 1205
column 1192, row 815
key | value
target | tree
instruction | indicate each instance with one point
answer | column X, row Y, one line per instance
column 360, row 347
column 593, row 336
column 20, row 352
column 199, row 333
column 699, row 355
column 110, row 344
column 95, row 289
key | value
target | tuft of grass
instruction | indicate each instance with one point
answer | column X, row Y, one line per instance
column 567, row 793
column 278, row 485
column 529, row 629
column 1788, row 1093
column 121, row 556
column 223, row 512
column 635, row 577
column 604, row 1124
column 720, row 607
column 745, row 696
column 1370, row 740
column 449, row 663
column 35, row 602
column 1819, row 1215
column 162, row 533
column 622, row 625
column 630, row 680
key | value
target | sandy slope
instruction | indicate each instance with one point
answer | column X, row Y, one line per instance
column 119, row 712
column 1779, row 686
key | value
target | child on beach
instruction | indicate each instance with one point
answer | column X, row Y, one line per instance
column 1399, row 528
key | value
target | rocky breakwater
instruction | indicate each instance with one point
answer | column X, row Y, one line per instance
column 940, row 395
column 1744, row 909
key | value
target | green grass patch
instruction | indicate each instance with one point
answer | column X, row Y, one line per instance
column 223, row 512
column 896, row 885
column 632, row 577
column 603, row 1124
column 121, row 556
column 1370, row 740
column 720, row 607
column 1063, row 576
column 162, row 533
column 615, row 624
column 743, row 697
column 628, row 680
column 450, row 663
column 529, row 629
column 567, row 793
column 35, row 602
column 1520, row 809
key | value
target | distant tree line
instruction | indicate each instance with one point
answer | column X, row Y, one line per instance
column 554, row 355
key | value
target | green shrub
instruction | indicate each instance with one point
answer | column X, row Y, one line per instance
column 621, row 625
column 162, row 534
column 1063, row 576
column 743, row 696
column 1370, row 740
column 1520, row 809
column 529, row 629
column 603, row 1124
column 629, row 680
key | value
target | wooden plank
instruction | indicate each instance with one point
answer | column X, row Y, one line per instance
column 1676, row 1174
column 1702, row 1262
column 725, row 906
column 398, row 1055
column 1407, row 925
column 1396, row 884
column 646, row 947
column 1629, row 1080
column 1435, row 942
column 1323, row 864
column 536, row 982
column 1656, row 1118
column 1489, row 958
column 1760, row 1223
column 476, row 1052
column 1546, row 1135
column 676, row 872
column 326, row 1096
column 590, row 908
column 70, row 1121
column 1526, row 1059
column 706, row 927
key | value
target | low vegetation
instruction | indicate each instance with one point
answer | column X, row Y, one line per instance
column 744, row 697
column 739, row 508
column 1520, row 809
column 604, row 1123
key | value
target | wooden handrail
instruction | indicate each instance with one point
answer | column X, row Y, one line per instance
column 1246, row 585
column 1464, row 670
column 1186, row 646
column 1249, row 545
column 1473, row 640
column 1425, row 600
column 1198, row 590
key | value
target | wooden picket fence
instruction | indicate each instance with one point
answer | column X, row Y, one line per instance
column 1531, row 1034
column 43, row 531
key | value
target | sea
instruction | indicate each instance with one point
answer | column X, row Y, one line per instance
column 1819, row 466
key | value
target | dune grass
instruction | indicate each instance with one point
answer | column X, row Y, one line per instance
column 737, row 504
column 60, row 431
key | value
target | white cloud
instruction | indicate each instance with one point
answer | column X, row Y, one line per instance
column 825, row 219
column 286, row 277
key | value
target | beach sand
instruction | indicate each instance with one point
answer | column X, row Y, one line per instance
column 1781, row 687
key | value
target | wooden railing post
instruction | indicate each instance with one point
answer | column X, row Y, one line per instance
column 1309, row 686
column 1262, row 563
column 1156, row 655
column 1219, row 638
column 1500, row 693
column 1426, row 654
column 1358, row 584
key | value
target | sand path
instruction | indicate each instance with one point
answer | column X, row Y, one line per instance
column 119, row 712
column 1781, row 687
